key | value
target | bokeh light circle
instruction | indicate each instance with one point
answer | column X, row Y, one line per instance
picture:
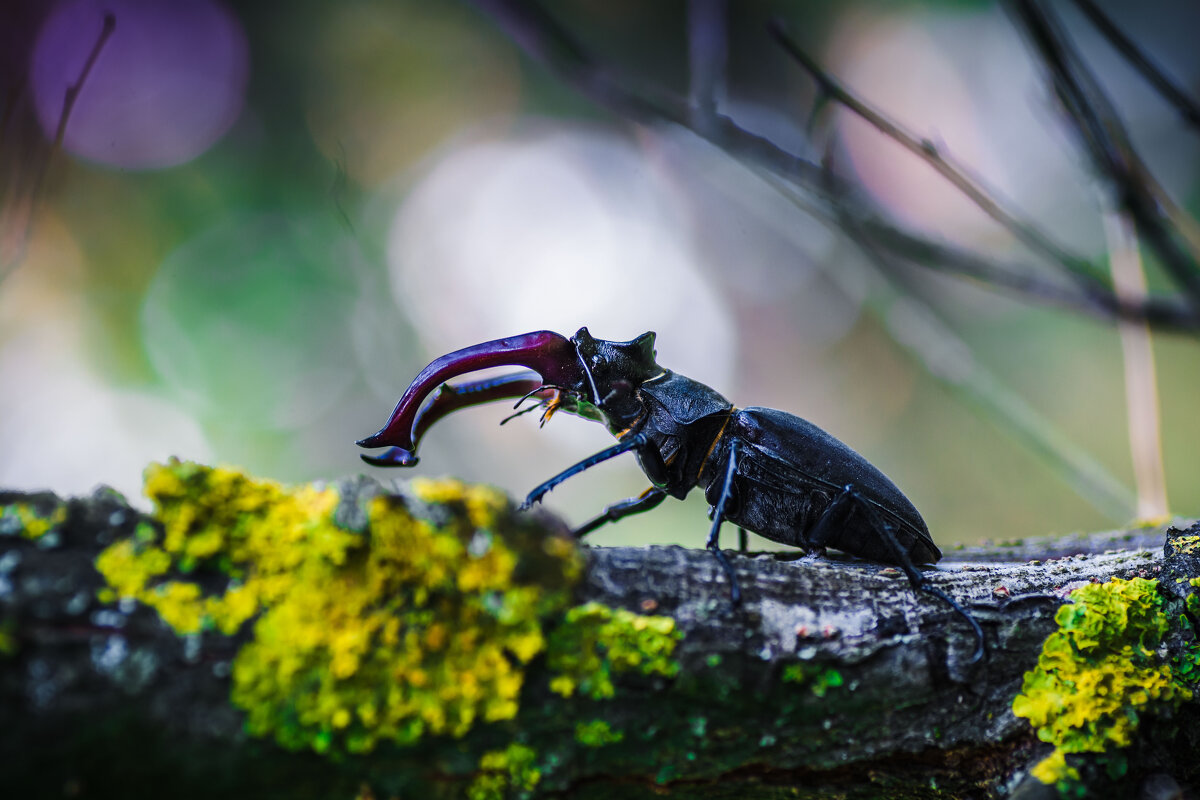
column 555, row 227
column 167, row 84
column 250, row 322
column 63, row 428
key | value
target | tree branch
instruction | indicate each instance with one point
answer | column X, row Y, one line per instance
column 832, row 677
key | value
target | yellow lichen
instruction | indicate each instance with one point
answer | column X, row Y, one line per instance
column 30, row 523
column 1186, row 545
column 595, row 641
column 1098, row 673
column 214, row 516
column 597, row 733
column 505, row 773
column 1054, row 769
column 409, row 628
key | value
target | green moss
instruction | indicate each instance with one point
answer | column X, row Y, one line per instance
column 595, row 641
column 28, row 521
column 819, row 679
column 1187, row 664
column 506, row 773
column 1098, row 673
column 8, row 638
column 1192, row 601
column 597, row 733
column 407, row 629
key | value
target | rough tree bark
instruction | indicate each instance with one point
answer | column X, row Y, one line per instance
column 831, row 679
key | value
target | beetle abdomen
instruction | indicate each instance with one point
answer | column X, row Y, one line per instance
column 790, row 471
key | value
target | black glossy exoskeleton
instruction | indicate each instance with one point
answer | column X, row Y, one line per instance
column 764, row 470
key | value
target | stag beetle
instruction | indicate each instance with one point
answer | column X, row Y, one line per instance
column 761, row 469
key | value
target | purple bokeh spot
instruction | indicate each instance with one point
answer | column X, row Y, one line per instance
column 169, row 82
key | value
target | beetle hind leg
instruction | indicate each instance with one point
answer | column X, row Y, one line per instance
column 849, row 501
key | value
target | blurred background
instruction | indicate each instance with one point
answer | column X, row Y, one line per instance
column 262, row 221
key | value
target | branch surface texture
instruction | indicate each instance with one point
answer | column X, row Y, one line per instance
column 344, row 640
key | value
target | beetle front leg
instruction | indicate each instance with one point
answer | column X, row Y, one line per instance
column 651, row 498
column 632, row 443
column 713, row 543
column 838, row 512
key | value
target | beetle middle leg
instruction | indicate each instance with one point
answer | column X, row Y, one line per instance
column 651, row 498
column 713, row 543
column 838, row 512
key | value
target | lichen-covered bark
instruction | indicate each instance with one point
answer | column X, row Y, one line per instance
column 831, row 679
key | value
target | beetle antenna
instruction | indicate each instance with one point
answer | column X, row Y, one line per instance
column 533, row 407
column 532, row 392
column 550, row 404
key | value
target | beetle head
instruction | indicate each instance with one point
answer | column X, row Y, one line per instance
column 615, row 371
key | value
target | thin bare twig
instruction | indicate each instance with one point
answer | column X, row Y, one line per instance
column 1165, row 313
column 1106, row 141
column 836, row 199
column 1185, row 105
column 918, row 330
column 106, row 31
column 1141, row 383
column 957, row 175
column 1186, row 226
column 545, row 40
column 22, row 216
column 708, row 49
column 1177, row 219
column 1096, row 297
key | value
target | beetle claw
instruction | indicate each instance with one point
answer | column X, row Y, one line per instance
column 392, row 457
